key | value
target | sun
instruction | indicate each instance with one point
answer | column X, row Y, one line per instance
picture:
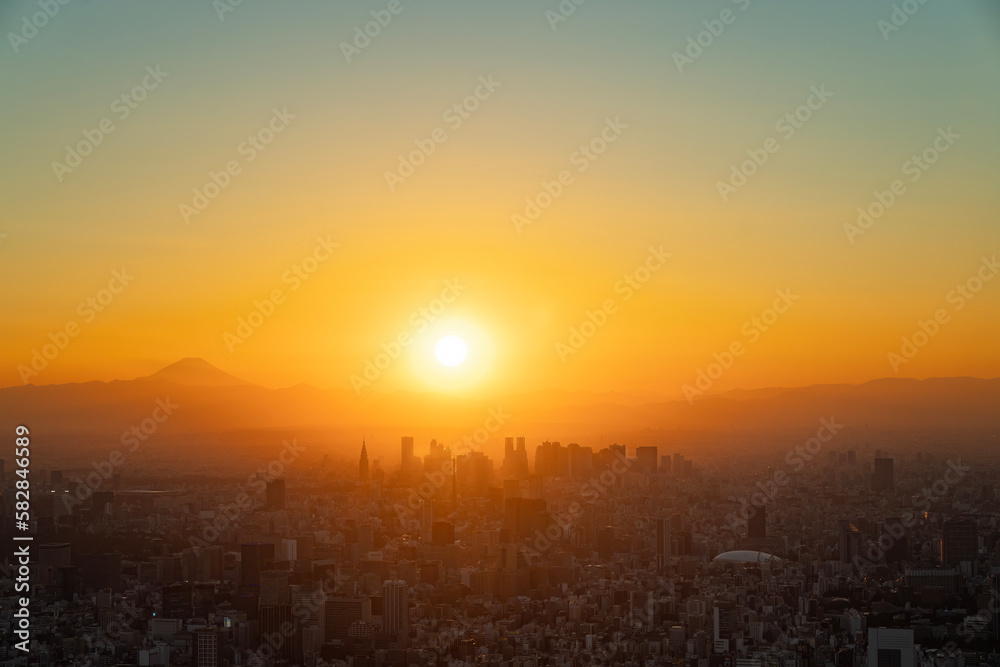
column 451, row 350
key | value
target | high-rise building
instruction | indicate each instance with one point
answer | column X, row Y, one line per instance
column 57, row 555
column 959, row 541
column 274, row 587
column 206, row 647
column 275, row 619
column 363, row 474
column 255, row 558
column 757, row 522
column 275, row 495
column 882, row 478
column 891, row 647
column 663, row 542
column 645, row 457
column 395, row 611
column 849, row 541
column 723, row 620
column 406, row 454
column 340, row 612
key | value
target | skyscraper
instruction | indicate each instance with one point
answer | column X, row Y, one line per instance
column 959, row 541
column 363, row 474
column 882, row 479
column 254, row 559
column 663, row 538
column 757, row 522
column 275, row 494
column 206, row 644
column 406, row 454
column 891, row 647
column 395, row 611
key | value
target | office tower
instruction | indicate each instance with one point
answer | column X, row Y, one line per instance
column 206, row 647
column 723, row 620
column 363, row 474
column 849, row 542
column 893, row 540
column 406, row 454
column 645, row 457
column 275, row 619
column 274, row 587
column 665, row 466
column 663, row 541
column 891, row 648
column 442, row 533
column 57, row 555
column 757, row 522
column 340, row 612
column 177, row 601
column 882, row 479
column 395, row 611
column 959, row 541
column 274, row 498
column 255, row 558
column 508, row 452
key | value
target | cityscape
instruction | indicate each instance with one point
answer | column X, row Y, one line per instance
column 527, row 333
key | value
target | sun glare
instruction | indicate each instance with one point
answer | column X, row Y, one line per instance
column 451, row 350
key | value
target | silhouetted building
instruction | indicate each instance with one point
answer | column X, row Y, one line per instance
column 254, row 559
column 395, row 611
column 891, row 647
column 757, row 522
column 275, row 496
column 206, row 647
column 959, row 541
column 363, row 474
column 340, row 612
column 882, row 479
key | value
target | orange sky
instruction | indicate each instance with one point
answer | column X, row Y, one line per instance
column 307, row 208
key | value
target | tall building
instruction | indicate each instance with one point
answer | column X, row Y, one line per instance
column 645, row 457
column 959, row 541
column 406, row 454
column 275, row 495
column 363, row 474
column 395, row 611
column 891, row 647
column 663, row 540
column 255, row 558
column 849, row 541
column 757, row 522
column 275, row 619
column 882, row 479
column 723, row 620
column 206, row 647
column 274, row 588
column 57, row 555
column 340, row 612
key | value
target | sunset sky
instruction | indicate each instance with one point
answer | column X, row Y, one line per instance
column 671, row 130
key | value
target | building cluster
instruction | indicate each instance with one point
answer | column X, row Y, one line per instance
column 627, row 556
